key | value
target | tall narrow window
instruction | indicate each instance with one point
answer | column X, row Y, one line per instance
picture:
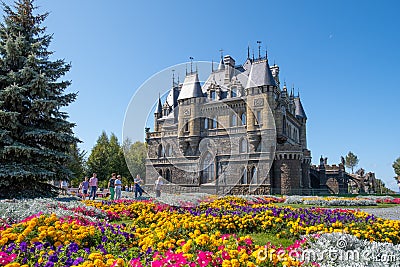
column 214, row 123
column 243, row 118
column 186, row 126
column 160, row 151
column 205, row 123
column 243, row 145
column 233, row 120
column 254, row 179
column 258, row 117
column 207, row 168
column 243, row 179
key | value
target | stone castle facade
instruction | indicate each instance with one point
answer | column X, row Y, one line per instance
column 241, row 132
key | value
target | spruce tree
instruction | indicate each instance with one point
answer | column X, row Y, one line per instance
column 35, row 134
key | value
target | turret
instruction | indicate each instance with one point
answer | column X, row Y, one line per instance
column 157, row 115
column 301, row 115
column 189, row 120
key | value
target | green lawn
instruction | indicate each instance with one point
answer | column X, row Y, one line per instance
column 263, row 238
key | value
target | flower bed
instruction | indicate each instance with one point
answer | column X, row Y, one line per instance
column 330, row 201
column 214, row 233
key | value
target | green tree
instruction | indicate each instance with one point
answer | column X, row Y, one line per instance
column 135, row 156
column 98, row 159
column 77, row 164
column 351, row 161
column 107, row 157
column 396, row 168
column 35, row 134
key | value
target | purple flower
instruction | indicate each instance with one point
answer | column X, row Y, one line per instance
column 23, row 246
column 49, row 264
column 53, row 258
column 104, row 239
column 78, row 261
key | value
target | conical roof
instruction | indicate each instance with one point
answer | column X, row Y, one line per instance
column 191, row 87
column 299, row 111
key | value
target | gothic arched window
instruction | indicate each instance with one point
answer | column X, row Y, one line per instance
column 161, row 152
column 234, row 120
column 243, row 118
column 243, row 179
column 254, row 178
column 205, row 123
column 243, row 145
column 207, row 167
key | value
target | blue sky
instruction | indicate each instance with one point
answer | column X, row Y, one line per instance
column 342, row 55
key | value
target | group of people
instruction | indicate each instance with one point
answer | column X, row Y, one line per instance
column 89, row 187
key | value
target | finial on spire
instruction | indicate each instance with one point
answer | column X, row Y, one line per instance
column 222, row 53
column 248, row 51
column 196, row 68
column 178, row 79
column 259, row 49
column 186, row 69
column 191, row 65
column 298, row 92
column 253, row 54
column 212, row 65
column 173, row 78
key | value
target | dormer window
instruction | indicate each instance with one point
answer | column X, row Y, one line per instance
column 234, row 92
column 212, row 95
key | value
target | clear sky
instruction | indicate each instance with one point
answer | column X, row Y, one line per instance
column 342, row 55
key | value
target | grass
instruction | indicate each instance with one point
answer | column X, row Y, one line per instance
column 263, row 238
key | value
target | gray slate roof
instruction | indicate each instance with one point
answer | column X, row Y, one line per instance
column 191, row 87
column 260, row 74
column 299, row 112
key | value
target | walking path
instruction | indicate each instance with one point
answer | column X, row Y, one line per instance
column 392, row 213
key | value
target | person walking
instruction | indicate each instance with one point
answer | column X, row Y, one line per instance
column 138, row 189
column 64, row 187
column 118, row 187
column 85, row 188
column 93, row 182
column 157, row 186
column 111, row 185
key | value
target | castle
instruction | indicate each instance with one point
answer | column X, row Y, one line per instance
column 241, row 132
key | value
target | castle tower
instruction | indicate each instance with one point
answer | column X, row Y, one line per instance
column 189, row 122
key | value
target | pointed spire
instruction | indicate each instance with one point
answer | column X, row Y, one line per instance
column 191, row 65
column 259, row 49
column 173, row 78
column 298, row 93
column 159, row 107
column 212, row 65
column 253, row 54
column 284, row 86
column 248, row 51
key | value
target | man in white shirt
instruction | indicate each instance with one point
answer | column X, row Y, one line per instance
column 118, row 187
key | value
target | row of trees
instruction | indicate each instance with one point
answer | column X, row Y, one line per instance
column 108, row 156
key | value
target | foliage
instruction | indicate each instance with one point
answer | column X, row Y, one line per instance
column 351, row 161
column 396, row 168
column 135, row 155
column 35, row 134
column 77, row 164
column 106, row 158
